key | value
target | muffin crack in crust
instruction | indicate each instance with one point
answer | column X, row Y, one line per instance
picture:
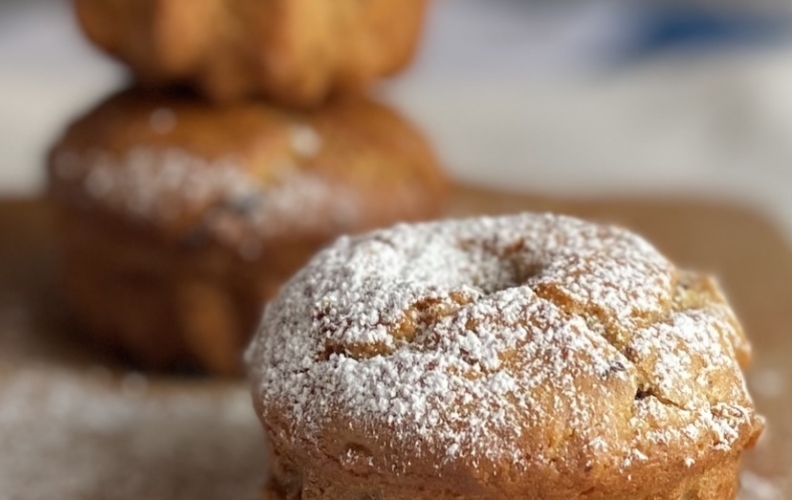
column 531, row 346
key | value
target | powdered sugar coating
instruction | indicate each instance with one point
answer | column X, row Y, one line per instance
column 167, row 186
column 531, row 340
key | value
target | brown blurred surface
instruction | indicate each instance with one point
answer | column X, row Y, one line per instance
column 76, row 424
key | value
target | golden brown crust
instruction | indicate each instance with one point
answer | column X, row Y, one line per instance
column 178, row 219
column 163, row 303
column 718, row 482
column 294, row 51
column 530, row 356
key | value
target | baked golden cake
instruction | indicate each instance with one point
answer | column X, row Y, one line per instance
column 293, row 51
column 523, row 357
column 179, row 219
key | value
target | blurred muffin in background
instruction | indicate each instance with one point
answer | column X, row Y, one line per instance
column 295, row 52
column 179, row 219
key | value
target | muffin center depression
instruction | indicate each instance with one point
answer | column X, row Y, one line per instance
column 456, row 288
column 475, row 275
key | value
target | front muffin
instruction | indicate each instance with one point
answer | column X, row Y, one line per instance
column 292, row 51
column 179, row 219
column 525, row 357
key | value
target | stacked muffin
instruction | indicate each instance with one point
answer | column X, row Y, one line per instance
column 246, row 143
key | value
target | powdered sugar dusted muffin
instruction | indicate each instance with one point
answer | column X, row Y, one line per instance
column 521, row 357
column 178, row 219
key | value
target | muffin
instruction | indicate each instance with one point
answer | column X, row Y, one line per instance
column 178, row 219
column 295, row 52
column 521, row 357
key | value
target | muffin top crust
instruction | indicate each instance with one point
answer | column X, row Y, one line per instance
column 247, row 173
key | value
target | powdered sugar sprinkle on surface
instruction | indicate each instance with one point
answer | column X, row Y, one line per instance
column 168, row 186
column 72, row 435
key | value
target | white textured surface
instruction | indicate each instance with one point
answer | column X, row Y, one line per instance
column 93, row 435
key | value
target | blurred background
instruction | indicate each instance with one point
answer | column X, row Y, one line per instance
column 588, row 98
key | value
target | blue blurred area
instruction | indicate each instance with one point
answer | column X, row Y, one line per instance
column 673, row 27
column 516, row 38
